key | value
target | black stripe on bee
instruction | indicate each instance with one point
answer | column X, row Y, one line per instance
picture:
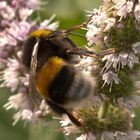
column 27, row 51
column 61, row 84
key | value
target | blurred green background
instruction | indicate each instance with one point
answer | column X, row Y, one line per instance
column 69, row 13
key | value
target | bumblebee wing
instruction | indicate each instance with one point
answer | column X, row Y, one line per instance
column 34, row 96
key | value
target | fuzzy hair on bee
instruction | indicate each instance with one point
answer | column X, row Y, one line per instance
column 56, row 79
column 52, row 44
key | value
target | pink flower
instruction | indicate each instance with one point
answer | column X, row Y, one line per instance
column 19, row 30
column 6, row 11
column 34, row 4
column 11, row 74
column 24, row 13
column 7, row 39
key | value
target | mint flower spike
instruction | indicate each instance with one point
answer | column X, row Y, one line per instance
column 116, row 72
column 14, row 31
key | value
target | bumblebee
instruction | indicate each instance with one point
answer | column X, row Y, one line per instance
column 45, row 55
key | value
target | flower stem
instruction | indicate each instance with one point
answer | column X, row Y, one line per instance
column 103, row 110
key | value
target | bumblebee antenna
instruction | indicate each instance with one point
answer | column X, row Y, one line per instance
column 80, row 26
column 68, row 31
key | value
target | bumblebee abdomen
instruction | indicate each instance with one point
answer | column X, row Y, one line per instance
column 62, row 83
column 70, row 86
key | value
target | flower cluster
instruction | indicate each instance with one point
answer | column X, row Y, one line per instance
column 15, row 25
column 114, row 26
column 113, row 31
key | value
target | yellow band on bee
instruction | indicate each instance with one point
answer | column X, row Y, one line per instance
column 47, row 73
column 41, row 32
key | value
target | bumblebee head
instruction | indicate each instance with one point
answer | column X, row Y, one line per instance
column 51, row 43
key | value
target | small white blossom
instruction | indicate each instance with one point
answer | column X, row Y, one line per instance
column 109, row 77
column 131, row 135
column 118, row 61
column 99, row 17
column 109, row 22
column 24, row 13
column 82, row 137
column 11, row 74
column 27, row 114
column 18, row 101
column 136, row 47
column 65, row 121
column 16, row 117
column 72, row 129
column 52, row 26
column 86, row 65
column 111, row 60
column 93, row 34
column 132, row 60
column 137, row 85
column 88, row 136
column 14, row 101
column 133, row 102
column 23, row 104
column 43, row 108
column 46, row 24
column 107, row 136
column 120, row 25
column 25, row 80
column 101, row 22
column 3, row 41
column 123, row 58
column 137, row 12
column 122, row 8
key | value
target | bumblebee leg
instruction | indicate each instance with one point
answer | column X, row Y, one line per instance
column 61, row 110
column 73, row 45
column 91, row 53
column 82, row 52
